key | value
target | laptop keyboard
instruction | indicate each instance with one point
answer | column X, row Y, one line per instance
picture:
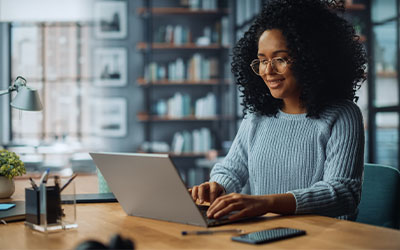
column 210, row 221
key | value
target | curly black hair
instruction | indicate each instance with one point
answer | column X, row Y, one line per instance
column 329, row 61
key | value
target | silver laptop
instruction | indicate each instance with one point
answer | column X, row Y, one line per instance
column 148, row 185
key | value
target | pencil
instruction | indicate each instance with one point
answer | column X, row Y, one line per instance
column 34, row 186
column 68, row 182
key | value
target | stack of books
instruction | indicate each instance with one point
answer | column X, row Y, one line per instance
column 197, row 68
column 196, row 141
column 179, row 106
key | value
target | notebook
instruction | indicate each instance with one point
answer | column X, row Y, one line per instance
column 16, row 213
column 149, row 185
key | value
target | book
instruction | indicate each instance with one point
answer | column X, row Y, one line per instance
column 177, row 143
column 187, row 142
column 16, row 213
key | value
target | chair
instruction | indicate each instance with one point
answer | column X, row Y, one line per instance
column 380, row 198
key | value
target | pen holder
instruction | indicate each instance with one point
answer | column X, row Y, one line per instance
column 49, row 211
column 34, row 205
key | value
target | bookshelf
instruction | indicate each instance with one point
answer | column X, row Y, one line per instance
column 193, row 46
column 186, row 82
column 182, row 11
column 142, row 82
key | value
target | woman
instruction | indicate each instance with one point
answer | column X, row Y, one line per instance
column 300, row 145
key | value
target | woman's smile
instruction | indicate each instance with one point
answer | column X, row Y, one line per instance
column 275, row 83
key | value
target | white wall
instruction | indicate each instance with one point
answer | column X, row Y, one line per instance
column 45, row 10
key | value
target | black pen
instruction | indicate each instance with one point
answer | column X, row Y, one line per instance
column 34, row 186
column 212, row 231
column 57, row 181
column 68, row 182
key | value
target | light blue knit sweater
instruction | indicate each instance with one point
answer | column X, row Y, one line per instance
column 319, row 161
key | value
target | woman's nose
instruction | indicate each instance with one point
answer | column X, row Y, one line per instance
column 268, row 70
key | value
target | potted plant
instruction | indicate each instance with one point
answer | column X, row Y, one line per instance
column 10, row 166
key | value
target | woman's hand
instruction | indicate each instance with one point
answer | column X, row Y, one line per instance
column 247, row 205
column 251, row 205
column 208, row 191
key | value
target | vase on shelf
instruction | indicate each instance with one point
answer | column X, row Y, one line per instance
column 7, row 187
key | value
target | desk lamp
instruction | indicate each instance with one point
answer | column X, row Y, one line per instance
column 26, row 98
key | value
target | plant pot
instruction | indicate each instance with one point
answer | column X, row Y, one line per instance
column 7, row 187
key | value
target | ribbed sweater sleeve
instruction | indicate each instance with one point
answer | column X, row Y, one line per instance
column 319, row 161
column 233, row 173
column 339, row 191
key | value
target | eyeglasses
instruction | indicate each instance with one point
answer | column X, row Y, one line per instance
column 278, row 64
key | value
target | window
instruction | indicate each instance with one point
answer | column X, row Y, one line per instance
column 54, row 58
column 384, row 105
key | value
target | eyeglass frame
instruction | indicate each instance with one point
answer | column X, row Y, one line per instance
column 287, row 61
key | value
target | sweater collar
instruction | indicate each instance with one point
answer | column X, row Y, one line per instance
column 283, row 115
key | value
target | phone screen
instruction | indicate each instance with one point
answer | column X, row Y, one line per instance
column 6, row 206
column 269, row 235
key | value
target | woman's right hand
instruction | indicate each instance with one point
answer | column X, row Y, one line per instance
column 207, row 191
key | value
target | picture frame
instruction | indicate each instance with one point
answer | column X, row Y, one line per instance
column 109, row 116
column 110, row 19
column 110, row 67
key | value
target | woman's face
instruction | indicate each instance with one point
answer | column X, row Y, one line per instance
column 282, row 86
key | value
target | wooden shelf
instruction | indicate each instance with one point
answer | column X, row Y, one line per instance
column 363, row 38
column 386, row 74
column 143, row 117
column 355, row 6
column 143, row 45
column 144, row 83
column 181, row 11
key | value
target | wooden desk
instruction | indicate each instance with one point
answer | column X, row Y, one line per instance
column 101, row 221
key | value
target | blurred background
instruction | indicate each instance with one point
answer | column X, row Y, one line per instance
column 154, row 76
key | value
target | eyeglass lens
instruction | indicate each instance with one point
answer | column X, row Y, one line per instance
column 277, row 64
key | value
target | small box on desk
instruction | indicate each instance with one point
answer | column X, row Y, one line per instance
column 33, row 205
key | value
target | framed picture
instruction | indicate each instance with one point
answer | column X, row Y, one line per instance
column 110, row 19
column 110, row 67
column 108, row 116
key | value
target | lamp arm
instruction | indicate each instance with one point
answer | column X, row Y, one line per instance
column 8, row 91
column 3, row 92
column 19, row 82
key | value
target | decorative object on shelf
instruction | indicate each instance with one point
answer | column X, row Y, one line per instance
column 26, row 98
column 10, row 166
column 110, row 19
column 111, row 67
column 108, row 116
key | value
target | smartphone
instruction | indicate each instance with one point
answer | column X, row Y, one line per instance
column 269, row 235
column 6, row 206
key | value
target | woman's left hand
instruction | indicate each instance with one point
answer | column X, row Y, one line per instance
column 247, row 205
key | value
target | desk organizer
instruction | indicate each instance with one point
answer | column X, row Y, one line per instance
column 47, row 211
